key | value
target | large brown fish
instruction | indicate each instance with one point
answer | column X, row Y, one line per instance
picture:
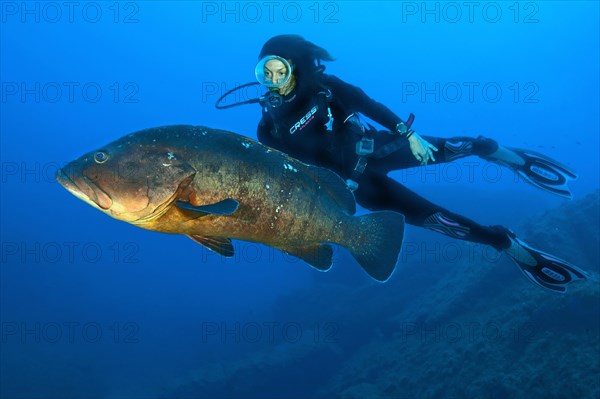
column 213, row 185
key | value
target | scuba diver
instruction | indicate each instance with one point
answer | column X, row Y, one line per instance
column 315, row 117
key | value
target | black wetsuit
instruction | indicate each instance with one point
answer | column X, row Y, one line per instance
column 297, row 127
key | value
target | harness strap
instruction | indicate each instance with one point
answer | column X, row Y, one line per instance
column 324, row 102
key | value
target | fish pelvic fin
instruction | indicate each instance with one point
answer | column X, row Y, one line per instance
column 377, row 243
column 220, row 245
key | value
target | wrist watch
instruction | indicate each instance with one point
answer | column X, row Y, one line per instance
column 403, row 130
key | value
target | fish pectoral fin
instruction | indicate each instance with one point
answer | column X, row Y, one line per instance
column 319, row 256
column 220, row 245
column 226, row 207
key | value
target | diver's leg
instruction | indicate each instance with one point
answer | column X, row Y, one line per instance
column 449, row 149
column 460, row 147
column 535, row 168
column 379, row 192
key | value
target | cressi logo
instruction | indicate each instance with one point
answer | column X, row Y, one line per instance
column 304, row 120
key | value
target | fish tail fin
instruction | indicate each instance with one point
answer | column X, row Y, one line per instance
column 377, row 243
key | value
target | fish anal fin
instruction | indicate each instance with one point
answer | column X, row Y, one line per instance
column 220, row 245
column 319, row 256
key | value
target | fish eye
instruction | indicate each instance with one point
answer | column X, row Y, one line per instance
column 100, row 157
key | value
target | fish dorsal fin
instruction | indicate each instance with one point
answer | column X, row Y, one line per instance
column 220, row 245
column 336, row 187
column 226, row 207
column 319, row 256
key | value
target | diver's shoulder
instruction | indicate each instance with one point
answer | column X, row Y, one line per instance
column 327, row 78
column 333, row 81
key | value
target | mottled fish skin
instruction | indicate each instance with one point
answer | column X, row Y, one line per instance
column 281, row 200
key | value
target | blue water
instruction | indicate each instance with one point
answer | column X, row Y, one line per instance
column 96, row 308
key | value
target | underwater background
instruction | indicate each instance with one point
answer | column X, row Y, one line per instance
column 96, row 308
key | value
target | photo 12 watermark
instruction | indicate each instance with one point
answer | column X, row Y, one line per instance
column 268, row 332
column 68, row 252
column 455, row 12
column 246, row 252
column 69, row 332
column 69, row 92
column 460, row 171
column 465, row 332
column 21, row 172
column 254, row 12
column 71, row 12
column 229, row 93
column 470, row 92
column 422, row 252
column 453, row 252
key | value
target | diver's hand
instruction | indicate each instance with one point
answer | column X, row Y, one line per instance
column 421, row 148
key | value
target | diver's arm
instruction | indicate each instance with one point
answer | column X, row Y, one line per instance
column 354, row 99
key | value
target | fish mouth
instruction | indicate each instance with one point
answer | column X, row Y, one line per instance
column 84, row 189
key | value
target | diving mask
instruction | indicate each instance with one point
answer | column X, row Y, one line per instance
column 273, row 71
